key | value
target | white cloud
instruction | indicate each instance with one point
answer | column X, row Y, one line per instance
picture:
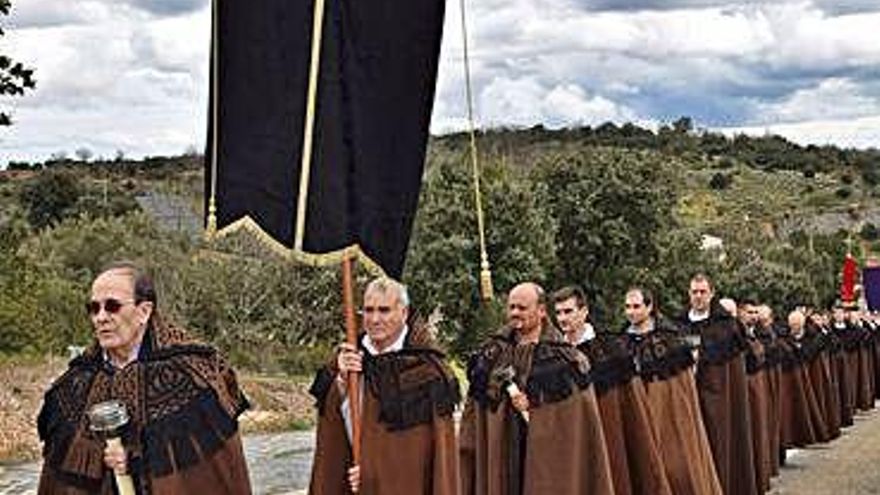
column 806, row 37
column 862, row 132
column 132, row 74
column 830, row 99
column 123, row 81
column 525, row 102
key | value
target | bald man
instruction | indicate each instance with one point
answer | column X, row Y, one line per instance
column 531, row 423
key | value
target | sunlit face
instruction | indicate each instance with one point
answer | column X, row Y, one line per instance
column 750, row 314
column 852, row 316
column 525, row 313
column 765, row 316
column 118, row 332
column 571, row 317
column 796, row 322
column 700, row 293
column 637, row 312
column 384, row 317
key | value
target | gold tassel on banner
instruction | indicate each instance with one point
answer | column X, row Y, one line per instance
column 486, row 290
column 211, row 227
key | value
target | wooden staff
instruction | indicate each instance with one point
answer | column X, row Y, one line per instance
column 351, row 337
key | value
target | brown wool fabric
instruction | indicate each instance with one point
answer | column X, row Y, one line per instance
column 408, row 442
column 636, row 464
column 561, row 450
column 183, row 401
column 666, row 367
column 723, row 393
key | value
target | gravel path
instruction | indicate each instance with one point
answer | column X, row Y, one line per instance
column 280, row 464
column 850, row 465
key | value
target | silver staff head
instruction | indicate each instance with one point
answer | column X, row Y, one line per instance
column 108, row 417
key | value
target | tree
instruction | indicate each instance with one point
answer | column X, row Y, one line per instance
column 15, row 78
column 49, row 197
column 612, row 206
column 84, row 154
column 443, row 265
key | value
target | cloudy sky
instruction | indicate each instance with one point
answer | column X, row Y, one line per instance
column 130, row 76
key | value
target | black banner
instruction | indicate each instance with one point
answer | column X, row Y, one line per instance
column 378, row 71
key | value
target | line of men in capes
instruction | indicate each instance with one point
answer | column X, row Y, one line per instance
column 703, row 404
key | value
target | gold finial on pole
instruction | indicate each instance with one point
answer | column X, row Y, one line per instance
column 486, row 290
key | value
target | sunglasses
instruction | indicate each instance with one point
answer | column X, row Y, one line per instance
column 111, row 306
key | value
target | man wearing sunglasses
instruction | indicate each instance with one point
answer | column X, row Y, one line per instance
column 181, row 397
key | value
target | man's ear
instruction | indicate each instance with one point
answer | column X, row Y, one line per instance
column 145, row 309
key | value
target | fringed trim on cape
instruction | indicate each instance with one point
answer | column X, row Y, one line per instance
column 755, row 363
column 790, row 355
column 722, row 350
column 611, row 364
column 852, row 338
column 811, row 348
column 558, row 371
column 483, row 388
column 772, row 349
column 660, row 354
column 79, row 461
column 756, row 355
column 420, row 405
column 65, row 400
column 182, row 439
column 413, row 386
column 74, row 457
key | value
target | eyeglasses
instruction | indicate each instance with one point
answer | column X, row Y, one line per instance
column 111, row 306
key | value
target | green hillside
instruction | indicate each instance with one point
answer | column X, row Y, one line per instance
column 604, row 207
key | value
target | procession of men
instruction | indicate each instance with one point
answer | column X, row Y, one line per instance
column 704, row 404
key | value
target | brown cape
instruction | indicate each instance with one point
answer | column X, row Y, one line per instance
column 665, row 364
column 772, row 354
column 182, row 438
column 759, row 408
column 843, row 371
column 407, row 430
column 636, row 464
column 865, row 387
column 875, row 349
column 799, row 409
column 724, row 399
column 561, row 450
column 818, row 369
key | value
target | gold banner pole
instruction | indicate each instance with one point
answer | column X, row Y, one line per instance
column 211, row 227
column 308, row 127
